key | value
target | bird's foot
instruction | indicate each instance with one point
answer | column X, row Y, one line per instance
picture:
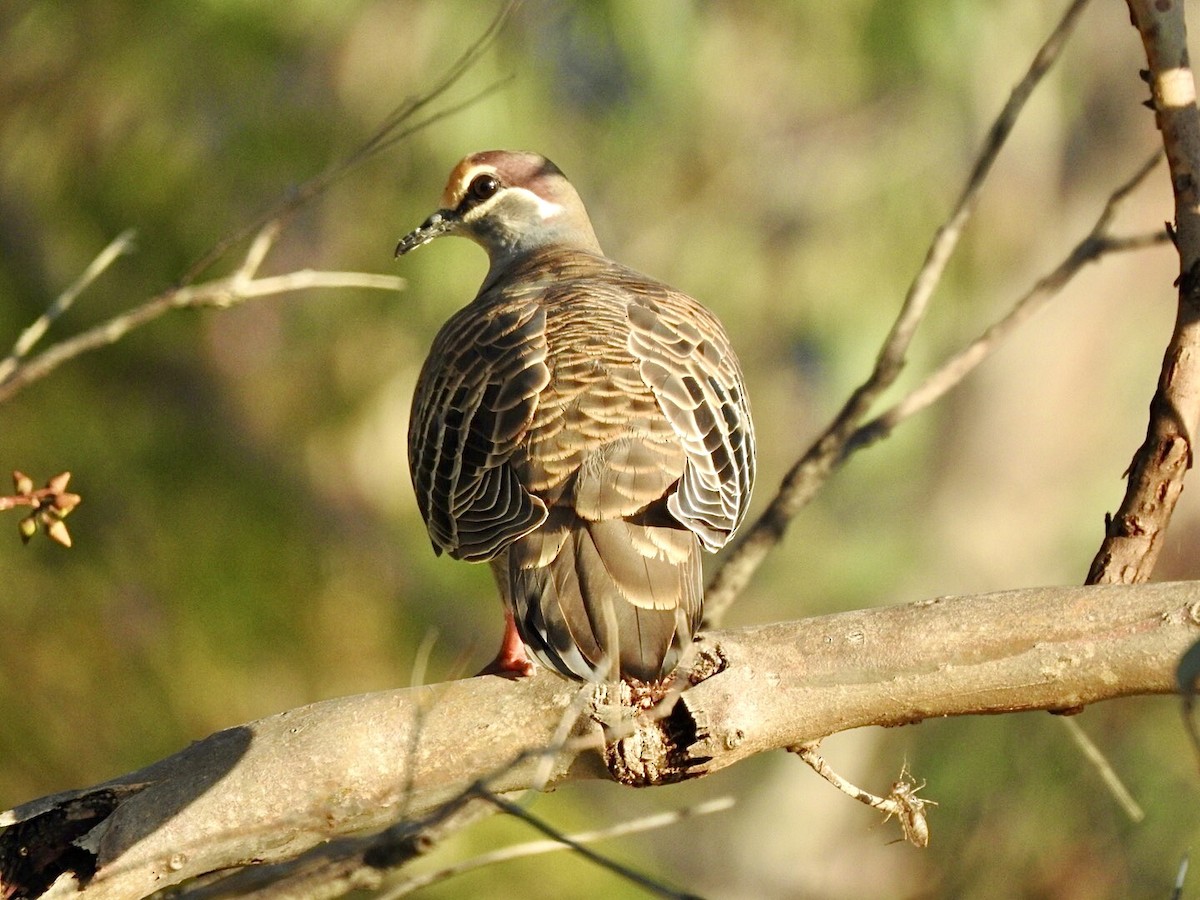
column 508, row 665
column 512, row 661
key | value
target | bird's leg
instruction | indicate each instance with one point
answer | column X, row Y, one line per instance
column 512, row 661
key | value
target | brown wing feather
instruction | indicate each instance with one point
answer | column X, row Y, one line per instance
column 685, row 357
column 475, row 399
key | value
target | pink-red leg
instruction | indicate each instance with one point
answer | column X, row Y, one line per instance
column 512, row 661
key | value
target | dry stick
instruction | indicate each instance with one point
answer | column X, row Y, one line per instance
column 389, row 132
column 617, row 868
column 221, row 292
column 536, row 848
column 1111, row 779
column 1097, row 244
column 1134, row 536
column 813, row 469
column 119, row 246
column 419, row 667
column 362, row 862
column 344, row 864
column 397, row 126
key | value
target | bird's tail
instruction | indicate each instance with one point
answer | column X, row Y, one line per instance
column 608, row 599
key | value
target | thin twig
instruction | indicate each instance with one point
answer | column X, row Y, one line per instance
column 120, row 245
column 340, row 866
column 221, row 292
column 420, row 666
column 1180, row 878
column 1108, row 775
column 535, row 848
column 916, row 303
column 362, row 862
column 397, row 125
column 813, row 469
column 391, row 130
column 631, row 875
column 1097, row 244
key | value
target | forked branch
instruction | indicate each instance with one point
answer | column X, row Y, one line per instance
column 19, row 370
column 828, row 452
column 1134, row 535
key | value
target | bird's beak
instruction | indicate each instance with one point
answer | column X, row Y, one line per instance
column 441, row 222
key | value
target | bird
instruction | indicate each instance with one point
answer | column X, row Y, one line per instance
column 581, row 427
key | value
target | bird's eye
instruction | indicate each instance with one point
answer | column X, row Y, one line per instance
column 482, row 187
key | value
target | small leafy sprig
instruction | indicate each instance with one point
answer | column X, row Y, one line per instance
column 48, row 506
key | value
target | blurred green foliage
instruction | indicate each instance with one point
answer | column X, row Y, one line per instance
column 248, row 541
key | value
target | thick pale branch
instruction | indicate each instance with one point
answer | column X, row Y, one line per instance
column 1133, row 537
column 268, row 790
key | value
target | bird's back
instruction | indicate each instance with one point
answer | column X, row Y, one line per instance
column 585, row 429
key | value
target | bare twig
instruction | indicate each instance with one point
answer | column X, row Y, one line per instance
column 340, row 866
column 813, row 469
column 891, row 358
column 1180, row 878
column 536, row 848
column 119, row 245
column 1133, row 536
column 220, row 292
column 902, row 800
column 402, row 122
column 363, row 862
column 1097, row 244
column 1108, row 775
column 631, row 875
column 396, row 126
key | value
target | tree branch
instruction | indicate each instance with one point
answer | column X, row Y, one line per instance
column 17, row 373
column 268, row 790
column 118, row 246
column 1098, row 242
column 537, row 848
column 818, row 463
column 219, row 292
column 1133, row 537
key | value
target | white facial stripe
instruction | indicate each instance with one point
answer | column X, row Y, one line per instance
column 544, row 207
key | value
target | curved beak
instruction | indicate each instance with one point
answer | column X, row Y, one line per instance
column 441, row 222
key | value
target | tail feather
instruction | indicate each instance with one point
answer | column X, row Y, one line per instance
column 617, row 599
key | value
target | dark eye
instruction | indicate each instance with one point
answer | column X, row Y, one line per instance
column 482, row 187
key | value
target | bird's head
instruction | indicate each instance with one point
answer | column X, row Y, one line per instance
column 510, row 203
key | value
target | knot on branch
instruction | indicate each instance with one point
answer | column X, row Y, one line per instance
column 656, row 737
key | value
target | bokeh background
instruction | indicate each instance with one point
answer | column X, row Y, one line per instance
column 248, row 540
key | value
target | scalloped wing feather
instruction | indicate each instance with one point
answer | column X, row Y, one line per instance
column 475, row 399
